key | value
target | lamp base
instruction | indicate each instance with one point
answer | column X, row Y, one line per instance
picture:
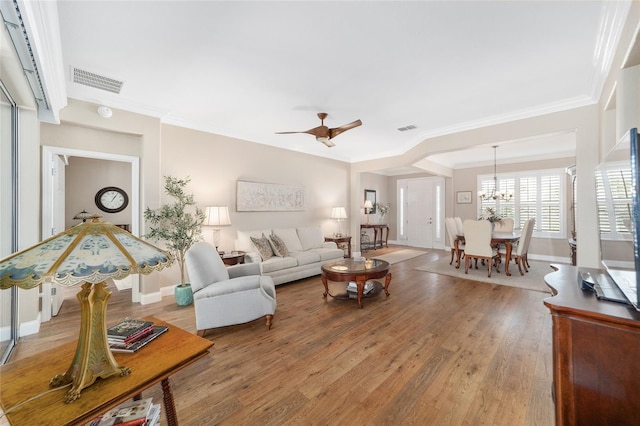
column 93, row 357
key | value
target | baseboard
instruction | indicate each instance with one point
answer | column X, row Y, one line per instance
column 149, row 298
column 32, row 327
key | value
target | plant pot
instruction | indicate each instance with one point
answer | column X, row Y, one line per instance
column 184, row 295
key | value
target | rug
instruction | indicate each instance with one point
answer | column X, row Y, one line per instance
column 532, row 280
column 398, row 256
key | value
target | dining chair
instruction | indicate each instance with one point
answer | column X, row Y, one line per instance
column 452, row 234
column 519, row 250
column 526, row 248
column 506, row 224
column 459, row 225
column 477, row 236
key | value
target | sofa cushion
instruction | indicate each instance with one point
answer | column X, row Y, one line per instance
column 328, row 253
column 290, row 238
column 278, row 263
column 310, row 237
column 264, row 247
column 305, row 257
column 278, row 246
column 243, row 243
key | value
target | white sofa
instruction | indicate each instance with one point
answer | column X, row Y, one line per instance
column 305, row 252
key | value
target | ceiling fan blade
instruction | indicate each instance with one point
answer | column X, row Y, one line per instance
column 336, row 131
column 318, row 132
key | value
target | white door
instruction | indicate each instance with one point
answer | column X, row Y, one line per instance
column 52, row 295
column 422, row 212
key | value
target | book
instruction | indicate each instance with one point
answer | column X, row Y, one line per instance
column 127, row 328
column 134, row 346
column 153, row 418
column 130, row 413
column 133, row 337
column 353, row 287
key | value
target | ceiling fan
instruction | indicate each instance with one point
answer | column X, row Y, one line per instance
column 323, row 133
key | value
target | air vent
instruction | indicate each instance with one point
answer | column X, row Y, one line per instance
column 96, row 81
column 405, row 128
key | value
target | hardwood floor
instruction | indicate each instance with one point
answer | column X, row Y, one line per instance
column 438, row 351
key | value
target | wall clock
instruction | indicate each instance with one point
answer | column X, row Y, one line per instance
column 112, row 199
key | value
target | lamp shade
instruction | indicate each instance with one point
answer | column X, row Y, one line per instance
column 368, row 204
column 338, row 213
column 88, row 252
column 217, row 216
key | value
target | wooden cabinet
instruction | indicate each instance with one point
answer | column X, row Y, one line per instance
column 596, row 355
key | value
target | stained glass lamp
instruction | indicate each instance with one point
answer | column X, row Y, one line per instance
column 89, row 253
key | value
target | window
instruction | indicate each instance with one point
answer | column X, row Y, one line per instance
column 613, row 197
column 8, row 219
column 536, row 194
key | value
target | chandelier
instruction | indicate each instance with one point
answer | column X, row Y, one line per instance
column 495, row 194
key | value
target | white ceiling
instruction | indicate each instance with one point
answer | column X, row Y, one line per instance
column 250, row 69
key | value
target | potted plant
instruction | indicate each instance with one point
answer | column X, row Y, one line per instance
column 178, row 225
column 383, row 209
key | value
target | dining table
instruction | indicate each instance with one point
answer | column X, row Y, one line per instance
column 497, row 238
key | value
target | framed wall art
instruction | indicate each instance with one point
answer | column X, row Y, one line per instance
column 463, row 197
column 268, row 197
column 370, row 195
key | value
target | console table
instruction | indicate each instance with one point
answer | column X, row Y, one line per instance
column 596, row 344
column 27, row 377
column 384, row 240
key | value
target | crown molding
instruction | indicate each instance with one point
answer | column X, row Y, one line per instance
column 613, row 17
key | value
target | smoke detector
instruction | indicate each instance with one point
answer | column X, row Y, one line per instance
column 105, row 112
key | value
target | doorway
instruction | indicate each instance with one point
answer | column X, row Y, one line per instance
column 53, row 190
column 421, row 213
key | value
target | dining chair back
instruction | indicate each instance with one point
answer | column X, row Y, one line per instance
column 506, row 224
column 459, row 224
column 519, row 252
column 477, row 236
column 525, row 253
column 452, row 234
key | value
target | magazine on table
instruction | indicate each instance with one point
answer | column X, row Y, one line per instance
column 135, row 345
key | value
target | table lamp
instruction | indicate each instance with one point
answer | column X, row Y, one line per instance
column 217, row 216
column 368, row 205
column 339, row 214
column 89, row 253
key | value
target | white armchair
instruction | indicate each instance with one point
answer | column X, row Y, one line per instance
column 226, row 296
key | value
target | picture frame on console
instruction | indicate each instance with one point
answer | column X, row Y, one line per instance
column 370, row 195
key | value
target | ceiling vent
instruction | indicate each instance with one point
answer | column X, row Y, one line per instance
column 405, row 128
column 96, row 81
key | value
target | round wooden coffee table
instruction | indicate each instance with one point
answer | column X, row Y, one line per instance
column 358, row 271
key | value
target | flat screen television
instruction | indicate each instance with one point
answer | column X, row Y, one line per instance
column 618, row 204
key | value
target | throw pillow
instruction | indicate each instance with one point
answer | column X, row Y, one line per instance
column 263, row 246
column 279, row 246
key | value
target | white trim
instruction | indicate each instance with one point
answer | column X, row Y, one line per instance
column 149, row 298
column 30, row 327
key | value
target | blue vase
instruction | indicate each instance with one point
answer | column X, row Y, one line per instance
column 184, row 295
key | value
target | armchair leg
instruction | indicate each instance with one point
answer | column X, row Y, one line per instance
column 201, row 333
column 269, row 320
